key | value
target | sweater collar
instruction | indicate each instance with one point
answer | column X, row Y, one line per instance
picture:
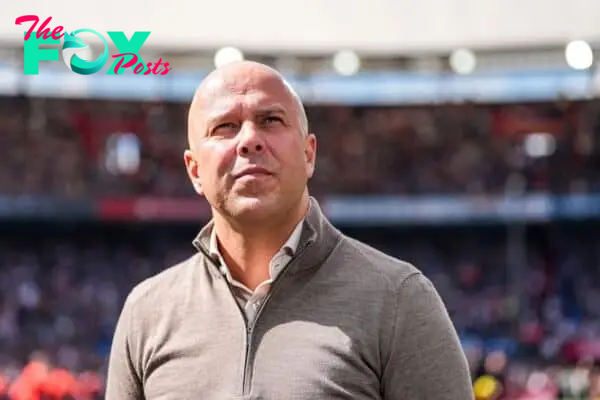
column 317, row 233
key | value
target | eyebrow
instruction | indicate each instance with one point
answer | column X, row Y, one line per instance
column 271, row 109
column 260, row 111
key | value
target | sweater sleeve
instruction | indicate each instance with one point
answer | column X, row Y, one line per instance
column 123, row 381
column 425, row 359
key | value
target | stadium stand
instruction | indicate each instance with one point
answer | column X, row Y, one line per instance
column 468, row 149
column 485, row 175
column 63, row 283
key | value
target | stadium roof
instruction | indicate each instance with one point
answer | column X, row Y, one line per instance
column 323, row 26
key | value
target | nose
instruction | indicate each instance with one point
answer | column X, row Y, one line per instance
column 251, row 141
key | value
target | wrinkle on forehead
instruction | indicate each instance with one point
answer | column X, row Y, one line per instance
column 240, row 78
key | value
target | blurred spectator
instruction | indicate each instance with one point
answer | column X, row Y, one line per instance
column 60, row 296
column 67, row 148
column 61, row 291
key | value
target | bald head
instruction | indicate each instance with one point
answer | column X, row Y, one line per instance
column 245, row 115
column 238, row 76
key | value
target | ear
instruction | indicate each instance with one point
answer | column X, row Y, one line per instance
column 192, row 169
column 310, row 153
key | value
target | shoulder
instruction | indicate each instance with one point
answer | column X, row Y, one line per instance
column 397, row 288
column 153, row 290
column 368, row 263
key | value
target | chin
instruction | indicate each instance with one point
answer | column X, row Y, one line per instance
column 253, row 207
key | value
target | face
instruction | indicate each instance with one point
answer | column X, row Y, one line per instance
column 249, row 155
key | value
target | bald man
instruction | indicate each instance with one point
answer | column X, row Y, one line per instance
column 277, row 304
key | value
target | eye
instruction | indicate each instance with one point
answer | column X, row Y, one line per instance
column 272, row 119
column 224, row 128
column 227, row 125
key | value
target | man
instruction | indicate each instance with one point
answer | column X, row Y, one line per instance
column 277, row 304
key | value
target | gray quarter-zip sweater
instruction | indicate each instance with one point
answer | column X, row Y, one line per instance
column 341, row 321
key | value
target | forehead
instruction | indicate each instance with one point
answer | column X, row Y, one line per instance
column 245, row 92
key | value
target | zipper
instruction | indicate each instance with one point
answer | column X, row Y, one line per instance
column 249, row 325
column 246, row 374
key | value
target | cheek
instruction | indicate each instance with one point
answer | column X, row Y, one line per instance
column 288, row 152
column 215, row 160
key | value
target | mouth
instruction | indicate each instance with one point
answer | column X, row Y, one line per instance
column 252, row 172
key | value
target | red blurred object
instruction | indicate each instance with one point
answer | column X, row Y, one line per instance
column 27, row 385
column 87, row 386
column 153, row 209
column 58, row 384
column 3, row 386
column 532, row 332
column 514, row 121
column 37, row 382
column 587, row 349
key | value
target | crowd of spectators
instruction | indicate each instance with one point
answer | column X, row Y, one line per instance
column 60, row 297
column 60, row 293
column 64, row 147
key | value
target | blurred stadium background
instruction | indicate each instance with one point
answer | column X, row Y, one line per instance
column 461, row 136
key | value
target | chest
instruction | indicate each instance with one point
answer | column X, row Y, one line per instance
column 283, row 356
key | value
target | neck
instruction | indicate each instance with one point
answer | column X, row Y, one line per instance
column 248, row 250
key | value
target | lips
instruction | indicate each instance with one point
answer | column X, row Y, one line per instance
column 252, row 171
